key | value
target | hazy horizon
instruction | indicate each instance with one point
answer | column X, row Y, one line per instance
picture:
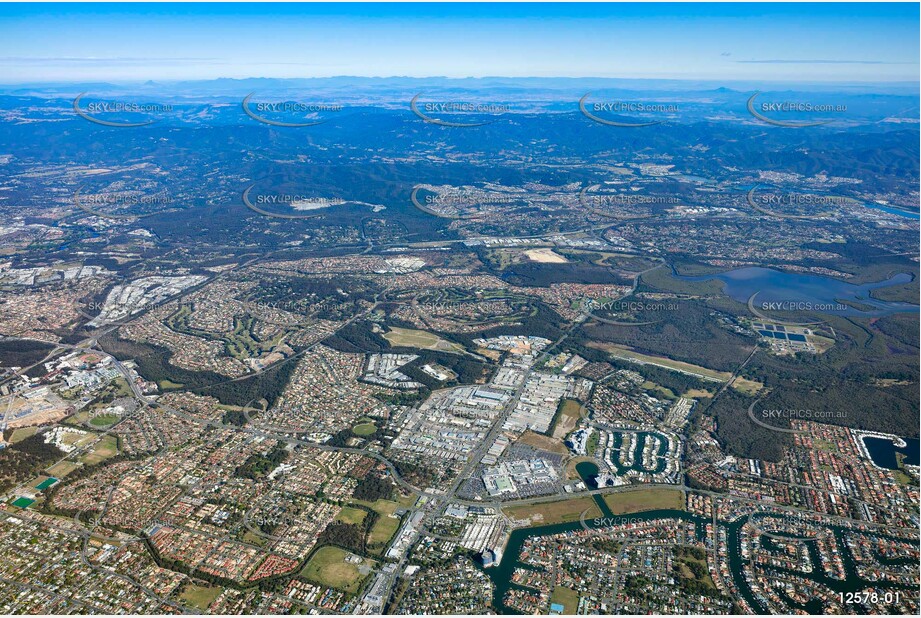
column 801, row 43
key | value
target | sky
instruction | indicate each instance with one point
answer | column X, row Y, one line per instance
column 122, row 42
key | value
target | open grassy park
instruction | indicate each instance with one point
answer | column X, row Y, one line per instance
column 330, row 566
column 105, row 448
column 199, row 596
column 364, row 429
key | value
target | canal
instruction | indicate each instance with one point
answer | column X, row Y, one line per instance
column 501, row 575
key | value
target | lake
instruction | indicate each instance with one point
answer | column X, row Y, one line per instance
column 821, row 294
column 883, row 451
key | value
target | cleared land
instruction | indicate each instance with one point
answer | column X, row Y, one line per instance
column 697, row 393
column 567, row 418
column 626, row 502
column 625, row 353
column 543, row 442
column 408, row 337
column 571, row 466
column 555, row 512
column 545, row 256
column 746, row 386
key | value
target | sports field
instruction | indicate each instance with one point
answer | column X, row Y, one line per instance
column 329, row 567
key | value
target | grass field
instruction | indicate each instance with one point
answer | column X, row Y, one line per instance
column 626, row 502
column 22, row 433
column 697, row 393
column 199, row 596
column 62, row 469
column 351, row 516
column 558, row 512
column 625, row 353
column 104, row 448
column 386, row 525
column 78, row 439
column 364, row 429
column 407, row 337
column 166, row 385
column 746, row 386
column 104, row 420
column 254, row 539
column 569, row 599
column 568, row 418
column 652, row 386
column 328, row 567
column 542, row 442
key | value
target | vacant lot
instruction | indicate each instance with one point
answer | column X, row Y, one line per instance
column 199, row 596
column 543, row 442
column 625, row 502
column 545, row 256
column 558, row 512
column 567, row 419
column 410, row 338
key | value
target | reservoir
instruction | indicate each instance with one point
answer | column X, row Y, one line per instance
column 822, row 294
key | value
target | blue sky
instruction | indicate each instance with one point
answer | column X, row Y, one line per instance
column 759, row 41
